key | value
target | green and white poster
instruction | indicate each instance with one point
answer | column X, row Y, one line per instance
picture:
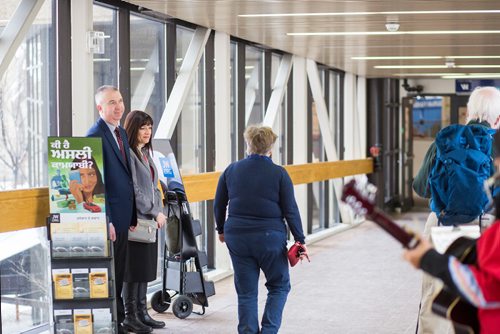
column 76, row 179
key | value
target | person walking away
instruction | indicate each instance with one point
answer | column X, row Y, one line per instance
column 258, row 197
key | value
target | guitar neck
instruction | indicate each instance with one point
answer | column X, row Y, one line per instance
column 406, row 239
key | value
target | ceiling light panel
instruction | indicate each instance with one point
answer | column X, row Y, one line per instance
column 434, row 66
column 414, row 12
column 422, row 57
column 385, row 33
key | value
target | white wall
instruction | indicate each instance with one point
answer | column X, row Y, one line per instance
column 431, row 86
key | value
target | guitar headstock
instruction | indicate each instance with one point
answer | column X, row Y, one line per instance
column 360, row 198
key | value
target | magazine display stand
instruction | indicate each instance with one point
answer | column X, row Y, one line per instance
column 82, row 266
column 82, row 285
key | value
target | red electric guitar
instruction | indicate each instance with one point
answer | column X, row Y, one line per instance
column 446, row 304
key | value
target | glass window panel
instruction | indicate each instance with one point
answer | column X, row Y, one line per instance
column 147, row 76
column 25, row 283
column 234, row 101
column 318, row 155
column 191, row 126
column 279, row 150
column 254, row 103
column 317, row 187
column 106, row 65
column 147, row 41
column 26, row 103
column 333, row 109
column 8, row 9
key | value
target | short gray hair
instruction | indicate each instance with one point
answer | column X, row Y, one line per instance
column 102, row 89
column 484, row 105
column 260, row 139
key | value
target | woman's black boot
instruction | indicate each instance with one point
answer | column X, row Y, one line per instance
column 130, row 298
column 142, row 308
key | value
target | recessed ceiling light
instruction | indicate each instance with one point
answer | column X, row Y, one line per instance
column 433, row 66
column 472, row 76
column 385, row 67
column 396, row 57
column 478, row 66
column 381, row 33
column 411, row 12
column 422, row 57
column 425, row 74
column 474, row 57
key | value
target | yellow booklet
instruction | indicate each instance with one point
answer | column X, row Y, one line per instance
column 82, row 322
column 63, row 284
column 98, row 278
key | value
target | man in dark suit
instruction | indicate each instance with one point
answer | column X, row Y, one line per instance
column 118, row 180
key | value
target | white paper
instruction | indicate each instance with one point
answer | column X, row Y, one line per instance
column 443, row 236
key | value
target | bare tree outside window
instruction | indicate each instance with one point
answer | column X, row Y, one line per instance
column 13, row 125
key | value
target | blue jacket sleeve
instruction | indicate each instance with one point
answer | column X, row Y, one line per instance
column 289, row 207
column 220, row 203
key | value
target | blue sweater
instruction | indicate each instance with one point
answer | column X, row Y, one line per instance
column 257, row 193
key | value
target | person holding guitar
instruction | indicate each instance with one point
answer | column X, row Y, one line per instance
column 478, row 283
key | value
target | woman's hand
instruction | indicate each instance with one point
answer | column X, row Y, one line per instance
column 76, row 189
column 414, row 256
column 161, row 219
column 303, row 253
column 221, row 237
column 132, row 228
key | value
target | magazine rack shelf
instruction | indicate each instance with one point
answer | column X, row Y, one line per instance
column 83, row 291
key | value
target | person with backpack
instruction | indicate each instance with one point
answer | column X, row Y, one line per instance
column 478, row 283
column 452, row 175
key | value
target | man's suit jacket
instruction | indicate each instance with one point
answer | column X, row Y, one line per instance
column 148, row 197
column 120, row 208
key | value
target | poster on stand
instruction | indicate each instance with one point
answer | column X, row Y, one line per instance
column 76, row 179
column 166, row 164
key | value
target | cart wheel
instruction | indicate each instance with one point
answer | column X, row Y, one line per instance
column 157, row 304
column 182, row 308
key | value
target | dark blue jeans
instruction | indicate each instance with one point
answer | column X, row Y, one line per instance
column 250, row 252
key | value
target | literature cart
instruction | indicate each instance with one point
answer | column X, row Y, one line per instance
column 82, row 266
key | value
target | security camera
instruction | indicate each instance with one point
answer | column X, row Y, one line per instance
column 392, row 26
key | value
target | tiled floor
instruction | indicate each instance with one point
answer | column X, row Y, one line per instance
column 356, row 283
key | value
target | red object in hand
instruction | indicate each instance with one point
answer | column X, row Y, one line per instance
column 295, row 252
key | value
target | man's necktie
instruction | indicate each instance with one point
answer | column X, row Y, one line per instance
column 120, row 144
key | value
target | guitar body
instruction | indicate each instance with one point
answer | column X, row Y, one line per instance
column 451, row 306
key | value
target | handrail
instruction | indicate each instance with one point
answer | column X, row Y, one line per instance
column 23, row 209
column 201, row 187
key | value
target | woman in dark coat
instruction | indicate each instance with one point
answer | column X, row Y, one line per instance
column 258, row 196
column 142, row 258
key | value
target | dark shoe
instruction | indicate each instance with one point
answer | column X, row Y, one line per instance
column 146, row 319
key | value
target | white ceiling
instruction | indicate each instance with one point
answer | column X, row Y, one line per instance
column 357, row 16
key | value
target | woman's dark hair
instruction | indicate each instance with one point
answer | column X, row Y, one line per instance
column 99, row 187
column 133, row 122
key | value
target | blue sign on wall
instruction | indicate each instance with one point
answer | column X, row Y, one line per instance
column 466, row 86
